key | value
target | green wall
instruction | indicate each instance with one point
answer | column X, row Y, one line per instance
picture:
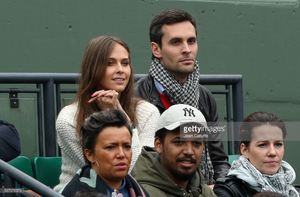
column 259, row 40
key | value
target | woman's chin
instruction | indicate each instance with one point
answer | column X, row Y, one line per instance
column 270, row 171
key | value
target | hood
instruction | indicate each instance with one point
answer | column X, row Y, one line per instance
column 148, row 171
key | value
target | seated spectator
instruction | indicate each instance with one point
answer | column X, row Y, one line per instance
column 9, row 140
column 106, row 82
column 260, row 167
column 106, row 143
column 173, row 167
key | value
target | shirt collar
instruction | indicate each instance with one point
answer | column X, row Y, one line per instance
column 159, row 87
column 122, row 189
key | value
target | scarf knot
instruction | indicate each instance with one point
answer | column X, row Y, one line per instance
column 187, row 93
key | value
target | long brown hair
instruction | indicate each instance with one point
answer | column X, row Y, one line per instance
column 93, row 67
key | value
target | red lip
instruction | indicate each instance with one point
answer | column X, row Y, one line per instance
column 121, row 166
column 186, row 164
column 119, row 81
column 272, row 162
column 119, row 78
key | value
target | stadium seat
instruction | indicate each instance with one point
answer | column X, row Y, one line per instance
column 47, row 170
column 22, row 163
column 231, row 158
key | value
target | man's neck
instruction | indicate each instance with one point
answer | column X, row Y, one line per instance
column 181, row 183
column 180, row 78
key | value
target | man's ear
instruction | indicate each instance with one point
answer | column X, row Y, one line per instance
column 158, row 145
column 156, row 51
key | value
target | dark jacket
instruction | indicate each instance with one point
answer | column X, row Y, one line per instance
column 9, row 140
column 231, row 186
column 151, row 175
column 85, row 181
column 207, row 105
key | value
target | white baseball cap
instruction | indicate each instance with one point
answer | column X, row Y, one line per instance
column 178, row 115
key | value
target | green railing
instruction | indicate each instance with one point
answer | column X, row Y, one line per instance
column 48, row 88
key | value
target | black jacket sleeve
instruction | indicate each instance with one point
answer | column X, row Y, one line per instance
column 9, row 140
column 230, row 186
column 218, row 157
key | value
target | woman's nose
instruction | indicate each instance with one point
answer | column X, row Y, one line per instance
column 272, row 150
column 119, row 67
column 121, row 153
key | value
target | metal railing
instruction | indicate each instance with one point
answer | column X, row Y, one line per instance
column 26, row 181
column 48, row 90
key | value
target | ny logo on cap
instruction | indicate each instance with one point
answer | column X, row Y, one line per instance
column 188, row 112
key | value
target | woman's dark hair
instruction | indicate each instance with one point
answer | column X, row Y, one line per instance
column 256, row 119
column 93, row 67
column 96, row 122
column 168, row 17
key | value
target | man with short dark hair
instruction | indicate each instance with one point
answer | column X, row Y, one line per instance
column 174, row 78
column 172, row 168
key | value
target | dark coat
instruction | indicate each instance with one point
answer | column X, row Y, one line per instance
column 230, row 186
column 85, row 184
column 155, row 179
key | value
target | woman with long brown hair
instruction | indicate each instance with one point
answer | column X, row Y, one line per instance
column 106, row 82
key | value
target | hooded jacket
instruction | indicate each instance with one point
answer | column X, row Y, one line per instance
column 151, row 175
column 146, row 89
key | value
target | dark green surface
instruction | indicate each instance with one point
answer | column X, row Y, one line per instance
column 44, row 169
column 257, row 39
column 47, row 170
column 23, row 163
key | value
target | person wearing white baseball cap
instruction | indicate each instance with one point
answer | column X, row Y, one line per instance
column 172, row 167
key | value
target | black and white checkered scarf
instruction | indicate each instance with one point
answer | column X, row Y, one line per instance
column 188, row 93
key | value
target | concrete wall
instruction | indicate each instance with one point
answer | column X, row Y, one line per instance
column 258, row 39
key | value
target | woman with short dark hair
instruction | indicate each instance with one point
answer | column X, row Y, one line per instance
column 106, row 143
